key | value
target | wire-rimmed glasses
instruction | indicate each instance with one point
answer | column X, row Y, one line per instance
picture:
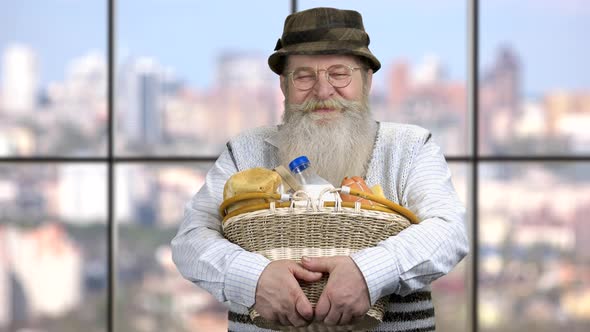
column 305, row 78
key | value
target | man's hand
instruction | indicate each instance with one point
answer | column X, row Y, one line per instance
column 279, row 296
column 345, row 296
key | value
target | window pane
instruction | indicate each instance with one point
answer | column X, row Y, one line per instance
column 53, row 247
column 53, row 78
column 152, row 295
column 534, row 252
column 194, row 73
column 451, row 293
column 422, row 49
column 534, row 77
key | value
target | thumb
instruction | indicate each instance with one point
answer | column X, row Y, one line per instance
column 317, row 264
column 304, row 307
column 303, row 274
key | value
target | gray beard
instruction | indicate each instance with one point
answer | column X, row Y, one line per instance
column 337, row 148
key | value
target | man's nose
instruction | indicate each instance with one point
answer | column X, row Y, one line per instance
column 323, row 89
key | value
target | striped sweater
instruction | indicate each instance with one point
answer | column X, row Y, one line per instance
column 412, row 171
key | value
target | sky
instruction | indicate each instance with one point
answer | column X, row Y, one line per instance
column 188, row 35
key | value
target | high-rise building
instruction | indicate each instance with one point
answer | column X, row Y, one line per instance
column 19, row 80
column 246, row 91
column 188, row 119
column 142, row 102
column 399, row 85
column 423, row 95
column 87, row 79
column 239, row 70
column 504, row 77
column 500, row 101
column 84, row 92
column 82, row 193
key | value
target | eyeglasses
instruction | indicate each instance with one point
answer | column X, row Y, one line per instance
column 305, row 78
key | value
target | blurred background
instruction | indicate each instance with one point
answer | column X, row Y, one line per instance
column 190, row 74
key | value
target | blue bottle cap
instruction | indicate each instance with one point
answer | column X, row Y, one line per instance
column 298, row 162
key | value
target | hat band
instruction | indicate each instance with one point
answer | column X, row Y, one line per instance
column 355, row 37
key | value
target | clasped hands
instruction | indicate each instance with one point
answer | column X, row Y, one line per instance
column 280, row 298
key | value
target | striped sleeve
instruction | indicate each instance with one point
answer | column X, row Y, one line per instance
column 204, row 256
column 424, row 252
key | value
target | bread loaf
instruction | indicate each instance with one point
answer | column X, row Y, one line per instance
column 357, row 183
column 249, row 181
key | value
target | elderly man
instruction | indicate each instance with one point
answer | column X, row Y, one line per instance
column 326, row 71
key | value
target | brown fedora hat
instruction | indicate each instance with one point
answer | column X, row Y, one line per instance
column 323, row 31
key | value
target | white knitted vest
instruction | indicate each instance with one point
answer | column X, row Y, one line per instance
column 394, row 151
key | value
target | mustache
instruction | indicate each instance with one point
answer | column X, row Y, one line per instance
column 333, row 103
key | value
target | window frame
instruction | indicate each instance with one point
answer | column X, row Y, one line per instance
column 472, row 160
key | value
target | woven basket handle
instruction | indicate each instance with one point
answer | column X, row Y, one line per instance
column 278, row 197
column 384, row 201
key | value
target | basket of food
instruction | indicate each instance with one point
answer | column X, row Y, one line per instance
column 289, row 226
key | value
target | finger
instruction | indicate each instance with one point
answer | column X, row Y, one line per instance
column 272, row 317
column 333, row 316
column 345, row 319
column 296, row 320
column 357, row 316
column 322, row 308
column 303, row 274
column 318, row 264
column 304, row 307
column 283, row 320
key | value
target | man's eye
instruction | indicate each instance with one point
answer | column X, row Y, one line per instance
column 305, row 77
column 338, row 76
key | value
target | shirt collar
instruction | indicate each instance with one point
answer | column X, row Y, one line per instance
column 273, row 139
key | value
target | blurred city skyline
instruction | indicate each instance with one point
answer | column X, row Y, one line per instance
column 158, row 113
column 183, row 87
column 145, row 29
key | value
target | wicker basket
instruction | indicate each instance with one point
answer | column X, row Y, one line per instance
column 286, row 230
